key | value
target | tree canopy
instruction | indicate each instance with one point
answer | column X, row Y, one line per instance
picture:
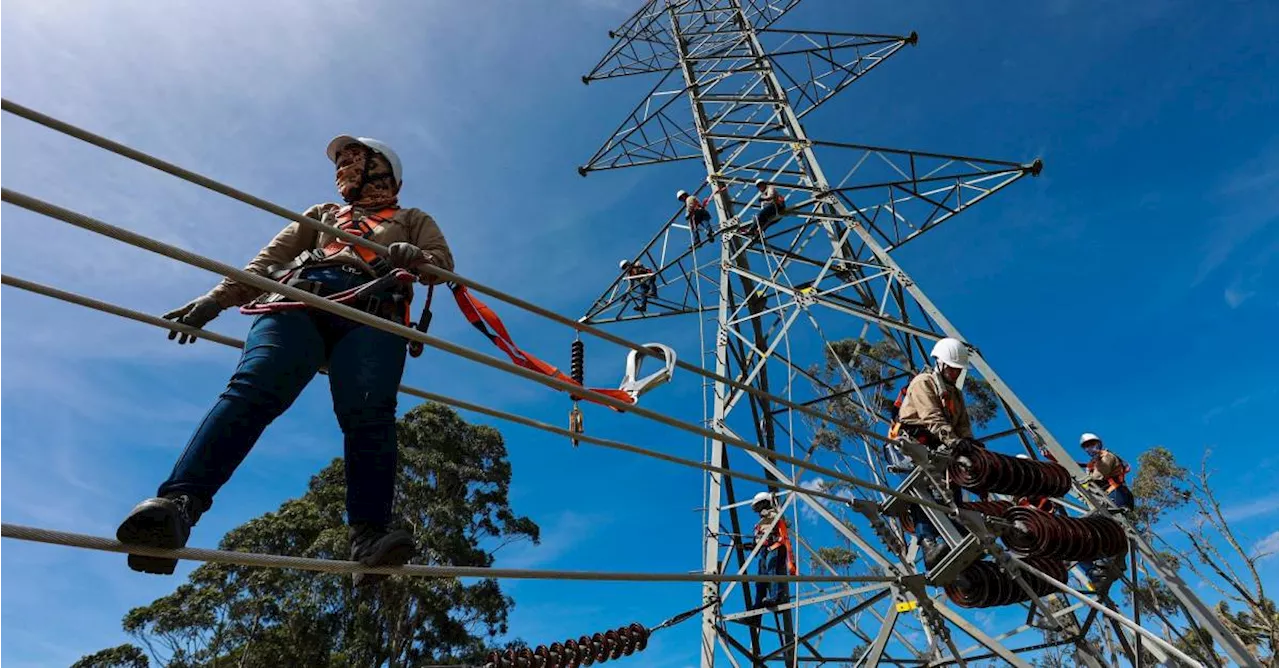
column 451, row 492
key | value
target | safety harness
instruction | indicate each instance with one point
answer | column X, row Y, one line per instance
column 1116, row 480
column 394, row 287
column 782, row 539
column 398, row 283
column 919, row 434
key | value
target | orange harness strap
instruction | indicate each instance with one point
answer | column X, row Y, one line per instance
column 484, row 319
column 359, row 228
column 1113, row 482
column 784, row 539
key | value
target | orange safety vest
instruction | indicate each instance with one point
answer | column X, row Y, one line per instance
column 360, row 228
column 783, row 541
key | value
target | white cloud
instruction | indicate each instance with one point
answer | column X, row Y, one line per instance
column 1234, row 295
column 1248, row 195
column 1251, row 509
column 1269, row 545
column 562, row 535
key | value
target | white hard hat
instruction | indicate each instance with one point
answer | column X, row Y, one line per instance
column 342, row 141
column 760, row 182
column 622, row 264
column 1086, row 437
column 951, row 352
column 680, row 195
column 761, row 497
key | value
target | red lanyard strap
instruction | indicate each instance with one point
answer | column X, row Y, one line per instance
column 484, row 319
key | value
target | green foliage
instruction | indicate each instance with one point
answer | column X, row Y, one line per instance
column 1152, row 594
column 870, row 366
column 1160, row 485
column 836, row 557
column 851, row 363
column 981, row 400
column 121, row 656
column 451, row 491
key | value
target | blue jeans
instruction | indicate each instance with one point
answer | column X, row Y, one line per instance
column 771, row 562
column 767, row 214
column 1122, row 497
column 282, row 353
column 700, row 218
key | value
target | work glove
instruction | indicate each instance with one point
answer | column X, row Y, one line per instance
column 404, row 255
column 196, row 313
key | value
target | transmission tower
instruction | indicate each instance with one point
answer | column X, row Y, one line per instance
column 732, row 90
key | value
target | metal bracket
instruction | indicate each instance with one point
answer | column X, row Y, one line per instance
column 968, row 551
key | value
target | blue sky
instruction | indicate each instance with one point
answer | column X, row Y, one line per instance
column 1129, row 290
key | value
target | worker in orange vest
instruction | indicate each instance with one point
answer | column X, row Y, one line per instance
column 774, row 556
column 1107, row 471
column 285, row 348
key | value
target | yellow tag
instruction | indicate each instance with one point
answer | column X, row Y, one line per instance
column 906, row 606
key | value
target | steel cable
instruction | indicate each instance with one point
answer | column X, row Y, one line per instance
column 447, row 276
column 68, row 539
column 144, row 318
column 187, row 257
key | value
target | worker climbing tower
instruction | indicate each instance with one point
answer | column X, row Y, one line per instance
column 812, row 307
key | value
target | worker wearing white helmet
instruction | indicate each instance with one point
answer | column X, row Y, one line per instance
column 932, row 412
column 641, row 283
column 288, row 343
column 697, row 215
column 771, row 204
column 1107, row 471
column 1106, row 475
column 774, row 554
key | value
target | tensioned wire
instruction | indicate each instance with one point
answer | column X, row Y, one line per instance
column 444, row 275
column 362, row 317
column 113, row 309
column 84, row 541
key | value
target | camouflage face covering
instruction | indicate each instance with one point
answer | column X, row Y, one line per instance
column 364, row 178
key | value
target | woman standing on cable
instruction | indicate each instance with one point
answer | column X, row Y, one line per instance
column 285, row 348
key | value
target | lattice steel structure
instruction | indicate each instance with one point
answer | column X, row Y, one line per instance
column 732, row 91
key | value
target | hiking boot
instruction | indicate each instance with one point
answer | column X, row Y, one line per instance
column 376, row 546
column 163, row 522
column 934, row 552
